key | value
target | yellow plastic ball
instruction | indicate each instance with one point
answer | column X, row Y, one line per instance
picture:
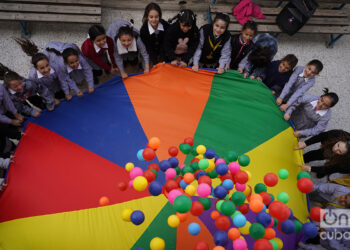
column 140, row 183
column 126, row 213
column 173, row 220
column 249, row 174
column 247, row 190
column 157, row 244
column 211, row 165
column 201, row 149
column 200, row 157
column 245, row 229
column 190, row 189
column 129, row 166
column 279, row 242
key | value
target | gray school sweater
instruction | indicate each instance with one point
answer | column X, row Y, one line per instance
column 6, row 105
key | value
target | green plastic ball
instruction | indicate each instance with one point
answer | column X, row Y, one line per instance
column 182, row 204
column 218, row 205
column 274, row 244
column 178, row 170
column 283, row 196
column 187, row 169
column 203, row 164
column 205, row 202
column 298, row 226
column 185, row 148
column 238, row 198
column 194, row 166
column 243, row 160
column 155, row 172
column 194, row 151
column 275, row 222
column 213, row 174
column 232, row 156
column 228, row 208
column 259, row 188
column 303, row 174
column 283, row 173
column 257, row 231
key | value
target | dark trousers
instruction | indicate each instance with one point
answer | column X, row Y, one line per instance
column 314, row 155
column 37, row 101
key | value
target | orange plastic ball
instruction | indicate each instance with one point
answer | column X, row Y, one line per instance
column 256, row 206
column 154, row 142
column 104, row 201
column 218, row 248
column 233, row 234
column 270, row 233
column 214, row 215
column 182, row 217
column 255, row 196
column 188, row 177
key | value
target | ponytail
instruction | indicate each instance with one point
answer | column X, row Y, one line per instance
column 30, row 48
column 185, row 16
column 333, row 96
column 65, row 54
column 8, row 75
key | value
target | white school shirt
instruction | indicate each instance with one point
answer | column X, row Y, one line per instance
column 97, row 48
column 320, row 112
column 69, row 69
column 302, row 75
column 159, row 28
column 41, row 75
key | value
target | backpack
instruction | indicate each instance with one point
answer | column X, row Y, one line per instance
column 295, row 15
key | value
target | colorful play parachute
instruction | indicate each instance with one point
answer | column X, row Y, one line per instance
column 66, row 188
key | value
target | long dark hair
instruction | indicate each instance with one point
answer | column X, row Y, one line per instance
column 125, row 30
column 224, row 17
column 185, row 16
column 334, row 159
column 65, row 54
column 95, row 31
column 149, row 7
column 8, row 75
column 30, row 48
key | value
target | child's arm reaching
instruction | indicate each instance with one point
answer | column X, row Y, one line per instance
column 293, row 78
column 198, row 53
column 144, row 53
column 225, row 57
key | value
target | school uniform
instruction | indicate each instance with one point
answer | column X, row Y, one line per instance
column 239, row 49
column 274, row 79
column 31, row 88
column 331, row 242
column 6, row 106
column 114, row 27
column 296, row 86
column 306, row 119
column 97, row 57
column 153, row 40
column 67, row 76
column 249, row 68
column 178, row 44
column 51, row 82
column 212, row 50
column 328, row 193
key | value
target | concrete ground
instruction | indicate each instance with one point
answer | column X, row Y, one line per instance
column 335, row 76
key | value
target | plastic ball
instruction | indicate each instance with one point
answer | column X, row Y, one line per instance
column 164, row 165
column 245, row 229
column 174, row 162
column 188, row 177
column 279, row 242
column 154, row 142
column 155, row 188
column 232, row 156
column 170, row 173
column 205, row 202
column 194, row 228
column 222, row 223
column 139, row 155
column 136, row 171
column 218, row 205
column 228, row 208
column 221, row 169
column 204, row 179
column 129, row 166
column 243, row 160
column 279, row 210
column 270, row 179
column 173, row 151
column 157, row 244
column 190, row 190
column 241, row 177
column 201, row 245
column 305, row 185
column 201, row 149
column 249, row 174
column 197, row 208
column 140, row 183
column 298, row 226
column 220, row 238
column 187, row 169
column 209, row 153
column 283, row 196
column 173, row 194
column 220, row 160
column 303, row 174
column 239, row 220
column 173, row 220
column 244, row 208
column 126, row 213
column 317, row 214
column 220, row 192
column 203, row 164
column 257, row 231
column 234, row 167
column 274, row 244
column 214, row 215
column 263, row 244
column 266, row 198
column 247, row 191
column 189, row 141
column 182, row 204
column 256, row 205
column 263, row 218
column 170, row 185
column 182, row 216
column 288, row 226
column 154, row 166
column 228, row 184
column 310, row 230
column 283, row 173
column 233, row 234
column 185, row 148
column 240, row 244
column 148, row 154
column 122, row 186
column 137, row 217
column 203, row 190
column 269, row 233
column 104, row 201
column 218, row 248
column 259, row 188
column 240, row 187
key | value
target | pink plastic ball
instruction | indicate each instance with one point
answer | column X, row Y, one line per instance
column 234, row 167
column 240, row 187
column 203, row 190
column 173, row 194
column 220, row 160
column 182, row 165
column 130, row 184
column 170, row 173
column 240, row 244
column 136, row 171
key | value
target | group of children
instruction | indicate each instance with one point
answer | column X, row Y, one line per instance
column 61, row 67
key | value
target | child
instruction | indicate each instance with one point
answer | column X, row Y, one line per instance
column 70, row 65
column 20, row 89
column 181, row 39
column 42, row 69
column 214, row 47
column 99, row 50
column 152, row 32
column 302, row 79
column 242, row 44
column 311, row 114
column 278, row 73
column 128, row 46
column 8, row 109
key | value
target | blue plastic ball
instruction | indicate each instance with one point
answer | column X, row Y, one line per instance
column 228, row 184
column 137, row 217
column 210, row 153
column 288, row 226
column 164, row 165
column 139, row 155
column 220, row 192
column 155, row 188
column 309, row 230
column 216, row 157
column 194, row 228
column 220, row 238
column 221, row 169
column 174, row 162
column 239, row 220
column 263, row 218
column 183, row 184
column 200, row 174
